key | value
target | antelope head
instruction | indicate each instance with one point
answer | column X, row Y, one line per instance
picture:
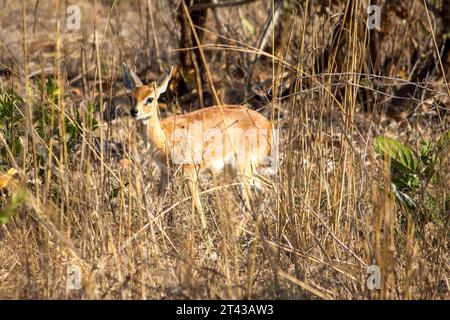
column 144, row 98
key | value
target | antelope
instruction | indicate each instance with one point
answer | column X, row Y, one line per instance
column 207, row 140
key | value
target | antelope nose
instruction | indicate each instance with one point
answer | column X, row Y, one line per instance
column 134, row 112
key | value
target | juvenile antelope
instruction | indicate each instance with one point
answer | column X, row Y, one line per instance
column 208, row 139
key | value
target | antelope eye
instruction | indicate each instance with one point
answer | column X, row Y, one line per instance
column 149, row 100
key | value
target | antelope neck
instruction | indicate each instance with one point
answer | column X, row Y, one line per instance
column 155, row 133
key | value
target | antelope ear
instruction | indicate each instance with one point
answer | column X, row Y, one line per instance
column 163, row 83
column 130, row 79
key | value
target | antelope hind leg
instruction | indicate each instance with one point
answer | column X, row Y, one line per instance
column 193, row 188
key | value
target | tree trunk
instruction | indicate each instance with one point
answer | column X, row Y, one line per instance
column 191, row 71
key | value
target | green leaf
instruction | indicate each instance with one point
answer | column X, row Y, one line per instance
column 444, row 141
column 426, row 158
column 10, row 210
column 404, row 198
column 114, row 193
column 17, row 147
column 250, row 28
column 400, row 154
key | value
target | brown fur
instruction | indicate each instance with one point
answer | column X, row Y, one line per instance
column 228, row 116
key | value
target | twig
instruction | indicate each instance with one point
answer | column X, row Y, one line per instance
column 272, row 18
column 202, row 6
column 155, row 39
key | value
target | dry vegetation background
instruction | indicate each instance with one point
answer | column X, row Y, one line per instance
column 85, row 188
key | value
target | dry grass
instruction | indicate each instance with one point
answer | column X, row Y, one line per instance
column 326, row 216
